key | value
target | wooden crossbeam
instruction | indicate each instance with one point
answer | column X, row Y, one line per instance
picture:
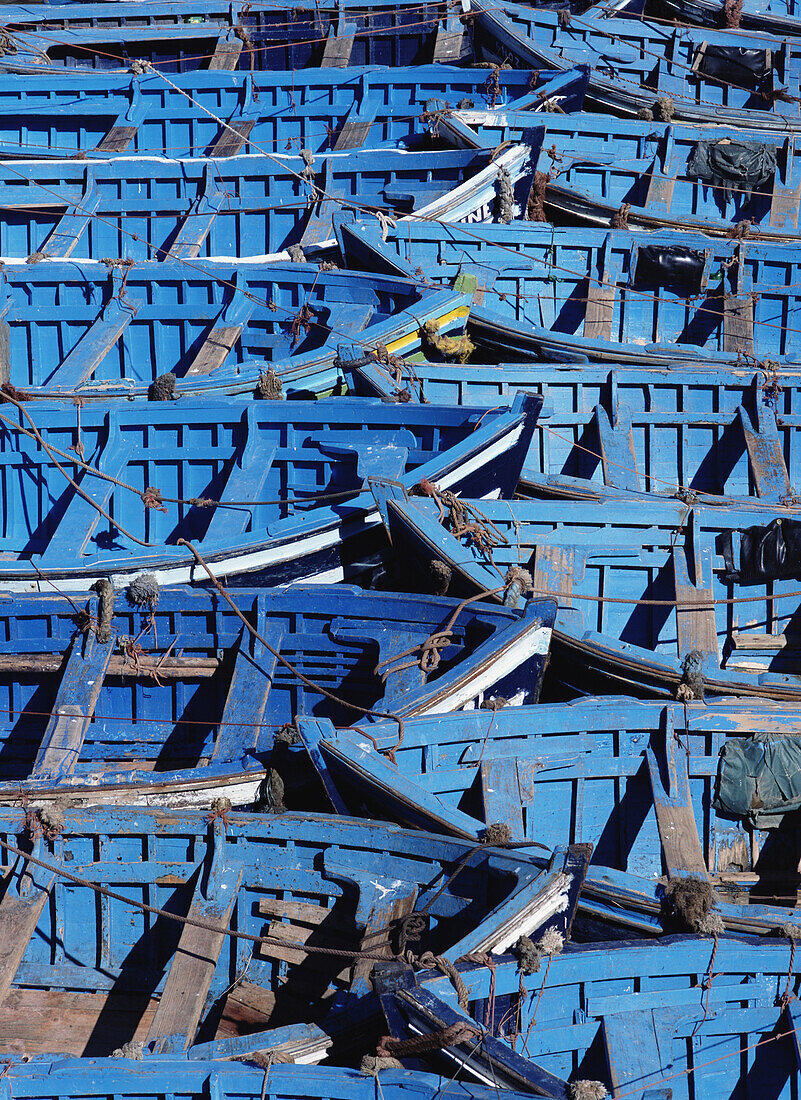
column 73, row 708
column 195, row 960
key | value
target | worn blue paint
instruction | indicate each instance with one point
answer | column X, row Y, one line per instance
column 112, row 949
column 614, row 296
column 612, row 551
column 637, row 62
column 211, row 715
column 682, row 1032
column 76, row 113
column 285, row 36
column 165, row 1078
column 669, row 430
column 97, row 331
column 778, row 17
column 586, row 761
column 242, row 206
column 267, row 462
column 598, row 163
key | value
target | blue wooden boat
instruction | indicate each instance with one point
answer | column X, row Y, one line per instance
column 174, row 702
column 778, row 17
column 642, row 592
column 105, row 114
column 111, row 328
column 85, row 973
column 607, row 171
column 647, row 1021
column 586, row 294
column 636, row 780
column 288, row 36
column 246, row 206
column 718, row 436
column 672, row 72
column 95, row 1078
column 267, row 491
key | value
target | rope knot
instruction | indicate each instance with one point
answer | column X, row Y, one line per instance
column 151, row 498
column 105, row 593
column 270, row 387
column 497, row 833
column 620, row 219
column 220, row 809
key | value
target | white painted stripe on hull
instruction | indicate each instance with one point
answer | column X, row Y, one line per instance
column 257, row 559
column 535, row 643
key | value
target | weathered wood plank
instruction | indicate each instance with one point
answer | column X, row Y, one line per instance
column 73, row 708
column 765, row 454
column 226, row 53
column 695, row 614
column 738, row 324
column 358, row 123
column 339, row 46
column 39, row 1021
column 193, row 965
column 500, row 792
column 233, row 138
column 20, row 910
column 670, row 784
column 554, row 571
column 449, row 43
column 600, row 311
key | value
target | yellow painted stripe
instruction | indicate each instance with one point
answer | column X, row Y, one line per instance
column 412, row 339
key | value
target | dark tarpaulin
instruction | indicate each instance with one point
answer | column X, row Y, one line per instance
column 726, row 164
column 766, row 553
column 677, row 269
column 759, row 778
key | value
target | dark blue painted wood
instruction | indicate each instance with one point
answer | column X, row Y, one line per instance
column 288, row 36
column 723, row 434
column 637, row 63
column 254, row 205
column 90, row 330
column 598, row 162
column 164, row 1078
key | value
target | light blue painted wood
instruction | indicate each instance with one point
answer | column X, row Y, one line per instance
column 613, row 772
column 79, row 945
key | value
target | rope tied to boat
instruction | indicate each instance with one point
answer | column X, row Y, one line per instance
column 620, row 219
column 372, row 1064
column 429, row 961
column 732, row 13
column 535, row 208
column 105, row 610
column 740, row 230
column 44, row 821
column 151, row 498
column 587, row 1090
column 793, row 933
column 563, row 18
column 302, row 321
column 504, row 197
column 143, row 591
column 162, row 388
column 692, row 677
column 530, row 954
column 220, row 809
column 453, row 349
column 460, row 1032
